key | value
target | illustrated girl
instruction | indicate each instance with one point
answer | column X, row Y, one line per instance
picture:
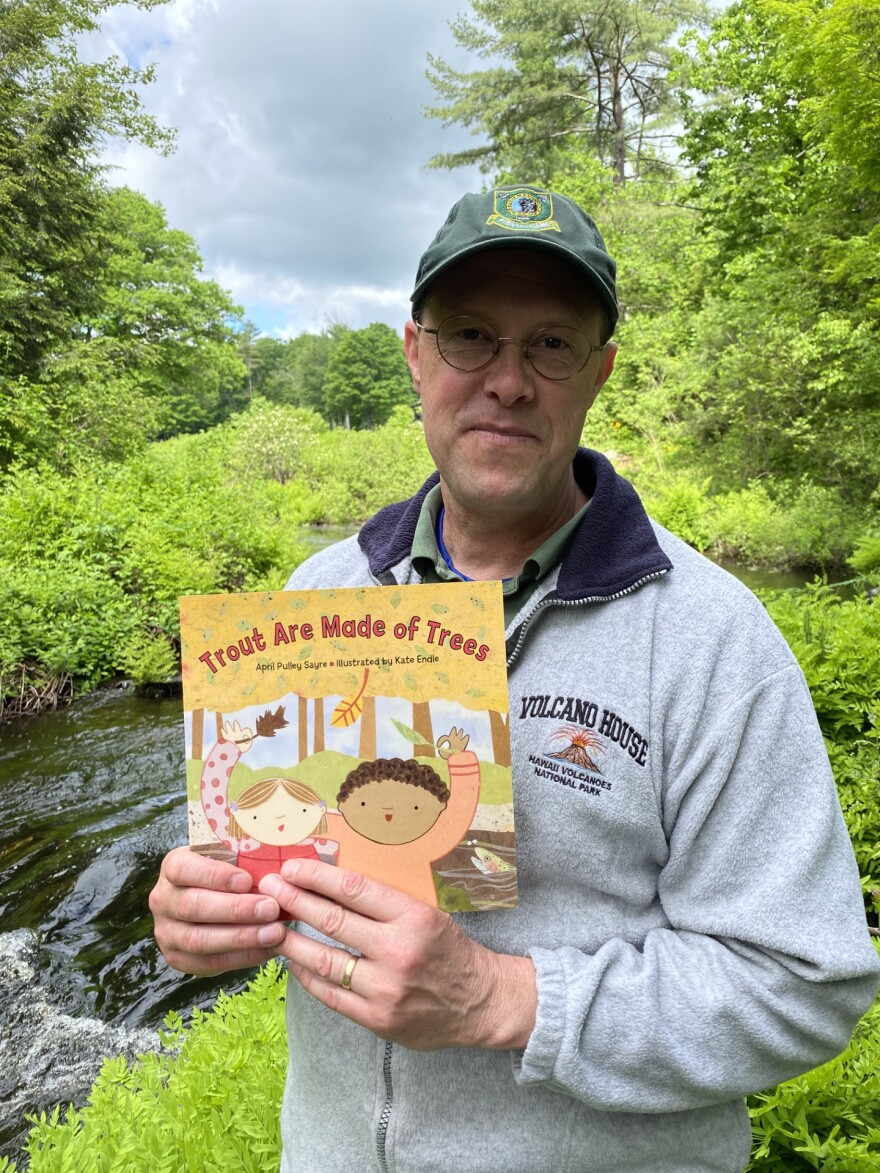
column 271, row 820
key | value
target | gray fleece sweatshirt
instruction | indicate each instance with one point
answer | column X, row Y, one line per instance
column 688, row 892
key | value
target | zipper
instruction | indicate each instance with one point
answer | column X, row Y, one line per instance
column 547, row 601
column 554, row 601
column 385, row 1117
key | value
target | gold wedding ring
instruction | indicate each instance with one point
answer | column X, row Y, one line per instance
column 347, row 972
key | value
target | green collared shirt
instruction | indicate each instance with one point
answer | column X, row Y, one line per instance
column 431, row 565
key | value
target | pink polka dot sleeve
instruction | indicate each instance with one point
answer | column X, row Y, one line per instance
column 214, row 794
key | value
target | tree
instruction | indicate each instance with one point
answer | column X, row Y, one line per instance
column 310, row 356
column 152, row 355
column 596, row 73
column 54, row 113
column 782, row 375
column 268, row 364
column 158, row 321
column 367, row 377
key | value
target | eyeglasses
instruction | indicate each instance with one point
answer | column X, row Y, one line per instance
column 467, row 344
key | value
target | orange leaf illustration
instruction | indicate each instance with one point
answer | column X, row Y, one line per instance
column 349, row 708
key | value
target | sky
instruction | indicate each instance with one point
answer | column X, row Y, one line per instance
column 300, row 161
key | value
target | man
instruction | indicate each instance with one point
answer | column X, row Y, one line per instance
column 688, row 931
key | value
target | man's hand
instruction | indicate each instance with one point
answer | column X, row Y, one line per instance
column 205, row 921
column 419, row 980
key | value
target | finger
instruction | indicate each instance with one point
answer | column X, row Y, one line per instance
column 204, row 949
column 194, row 940
column 185, row 868
column 349, row 889
column 208, row 965
column 202, row 906
column 323, row 964
column 322, row 914
column 353, row 1002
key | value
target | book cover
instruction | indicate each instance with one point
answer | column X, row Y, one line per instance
column 367, row 727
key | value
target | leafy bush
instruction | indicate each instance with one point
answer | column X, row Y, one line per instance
column 795, row 525
column 774, row 526
column 353, row 474
column 865, row 557
column 681, row 505
column 92, row 565
column 208, row 1101
column 269, row 439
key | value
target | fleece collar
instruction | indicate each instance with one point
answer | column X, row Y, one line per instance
column 613, row 548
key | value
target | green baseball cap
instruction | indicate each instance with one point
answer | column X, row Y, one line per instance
column 521, row 216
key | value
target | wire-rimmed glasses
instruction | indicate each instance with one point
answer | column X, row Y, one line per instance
column 468, row 343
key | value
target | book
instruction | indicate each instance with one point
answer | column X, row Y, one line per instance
column 367, row 727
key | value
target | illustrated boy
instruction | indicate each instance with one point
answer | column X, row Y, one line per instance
column 396, row 817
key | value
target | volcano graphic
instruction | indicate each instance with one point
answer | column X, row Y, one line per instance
column 573, row 743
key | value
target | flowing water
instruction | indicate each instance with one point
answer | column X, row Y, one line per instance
column 91, row 798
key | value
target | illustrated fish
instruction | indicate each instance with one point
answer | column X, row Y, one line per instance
column 489, row 863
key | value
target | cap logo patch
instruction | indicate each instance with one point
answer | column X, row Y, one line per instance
column 523, row 210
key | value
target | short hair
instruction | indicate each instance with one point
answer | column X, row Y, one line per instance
column 259, row 792
column 398, row 769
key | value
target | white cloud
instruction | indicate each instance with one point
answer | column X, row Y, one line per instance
column 301, row 147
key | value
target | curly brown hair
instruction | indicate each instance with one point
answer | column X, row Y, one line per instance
column 401, row 771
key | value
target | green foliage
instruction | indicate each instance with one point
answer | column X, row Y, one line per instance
column 208, row 1101
column 680, row 504
column 91, row 566
column 865, row 558
column 775, row 526
column 149, row 658
column 803, row 525
column 352, row 474
column 866, row 555
column 828, row 1119
column 55, row 113
column 108, row 335
column 781, row 377
column 270, row 440
column 157, row 321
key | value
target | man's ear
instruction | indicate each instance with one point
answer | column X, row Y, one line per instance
column 606, row 366
column 411, row 350
column 609, row 354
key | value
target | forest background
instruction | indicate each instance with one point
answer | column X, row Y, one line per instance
column 153, row 443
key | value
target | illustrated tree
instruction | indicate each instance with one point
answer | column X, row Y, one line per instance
column 595, row 73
